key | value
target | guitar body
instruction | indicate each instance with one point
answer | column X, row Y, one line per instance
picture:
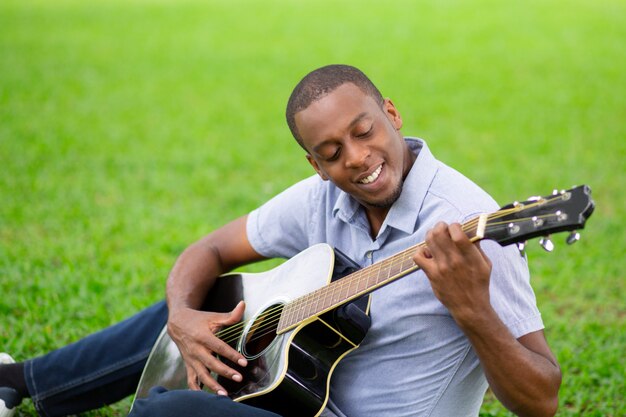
column 288, row 373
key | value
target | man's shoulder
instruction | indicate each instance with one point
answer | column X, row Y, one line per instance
column 306, row 195
column 460, row 192
column 313, row 187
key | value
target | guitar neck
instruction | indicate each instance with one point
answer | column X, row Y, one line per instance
column 360, row 282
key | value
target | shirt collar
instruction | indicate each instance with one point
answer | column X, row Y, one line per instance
column 346, row 207
column 404, row 212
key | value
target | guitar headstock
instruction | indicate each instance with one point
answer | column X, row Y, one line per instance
column 567, row 210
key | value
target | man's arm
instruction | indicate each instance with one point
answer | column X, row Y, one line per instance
column 523, row 373
column 192, row 276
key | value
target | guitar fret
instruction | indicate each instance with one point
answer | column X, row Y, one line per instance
column 341, row 292
column 289, row 317
column 298, row 314
column 336, row 292
column 302, row 313
column 285, row 317
column 317, row 301
column 359, row 283
column 382, row 270
column 324, row 297
column 382, row 277
column 353, row 286
column 311, row 303
column 395, row 268
column 305, row 307
column 362, row 277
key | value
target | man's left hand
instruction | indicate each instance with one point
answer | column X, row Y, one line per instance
column 458, row 270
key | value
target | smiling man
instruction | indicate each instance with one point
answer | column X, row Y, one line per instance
column 438, row 337
column 354, row 140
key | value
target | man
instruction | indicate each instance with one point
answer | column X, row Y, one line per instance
column 436, row 337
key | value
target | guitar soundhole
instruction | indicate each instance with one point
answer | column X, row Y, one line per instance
column 260, row 335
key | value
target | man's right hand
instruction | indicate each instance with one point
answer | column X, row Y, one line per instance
column 193, row 331
column 190, row 280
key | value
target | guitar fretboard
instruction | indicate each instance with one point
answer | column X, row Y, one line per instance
column 360, row 282
column 347, row 289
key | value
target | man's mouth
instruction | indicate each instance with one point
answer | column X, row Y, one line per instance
column 372, row 177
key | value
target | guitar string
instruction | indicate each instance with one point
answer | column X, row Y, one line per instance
column 271, row 317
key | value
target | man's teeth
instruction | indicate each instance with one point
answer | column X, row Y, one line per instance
column 373, row 176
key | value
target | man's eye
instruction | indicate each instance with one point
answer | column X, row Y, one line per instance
column 365, row 133
column 334, row 156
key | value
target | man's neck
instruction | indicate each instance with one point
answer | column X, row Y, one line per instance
column 376, row 217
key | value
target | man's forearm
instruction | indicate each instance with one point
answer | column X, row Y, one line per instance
column 197, row 268
column 192, row 276
column 523, row 374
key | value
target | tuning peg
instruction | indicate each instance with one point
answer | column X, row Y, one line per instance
column 546, row 243
column 573, row 237
column 521, row 246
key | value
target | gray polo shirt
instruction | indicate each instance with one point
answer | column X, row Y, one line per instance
column 414, row 361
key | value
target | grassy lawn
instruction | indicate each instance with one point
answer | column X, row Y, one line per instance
column 128, row 129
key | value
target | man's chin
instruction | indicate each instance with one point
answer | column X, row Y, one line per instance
column 387, row 201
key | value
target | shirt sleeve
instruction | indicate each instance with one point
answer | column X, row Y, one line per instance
column 511, row 294
column 281, row 227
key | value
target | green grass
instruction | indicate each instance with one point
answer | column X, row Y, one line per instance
column 128, row 129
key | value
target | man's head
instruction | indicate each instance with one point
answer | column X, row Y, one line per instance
column 351, row 135
column 321, row 82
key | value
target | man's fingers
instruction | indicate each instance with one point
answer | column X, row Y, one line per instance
column 200, row 369
column 460, row 238
column 203, row 351
column 203, row 344
column 203, row 375
column 220, row 368
column 232, row 317
column 443, row 237
column 226, row 351
column 423, row 257
column 206, row 355
column 222, row 348
column 445, row 246
column 192, row 378
column 235, row 315
column 437, row 240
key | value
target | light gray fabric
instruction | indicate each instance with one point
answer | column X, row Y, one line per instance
column 414, row 361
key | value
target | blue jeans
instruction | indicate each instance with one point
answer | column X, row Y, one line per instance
column 105, row 367
column 164, row 403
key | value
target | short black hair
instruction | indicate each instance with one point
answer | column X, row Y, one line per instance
column 321, row 82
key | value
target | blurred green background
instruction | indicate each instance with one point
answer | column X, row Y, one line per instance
column 128, row 129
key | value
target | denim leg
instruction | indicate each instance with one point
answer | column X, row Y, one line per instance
column 100, row 369
column 163, row 403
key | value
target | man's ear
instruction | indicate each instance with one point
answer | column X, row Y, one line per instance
column 316, row 167
column 392, row 114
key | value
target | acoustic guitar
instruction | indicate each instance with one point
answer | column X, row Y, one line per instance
column 293, row 336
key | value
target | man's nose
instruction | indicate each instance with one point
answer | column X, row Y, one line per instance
column 357, row 154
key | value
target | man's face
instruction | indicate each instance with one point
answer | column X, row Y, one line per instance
column 356, row 144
